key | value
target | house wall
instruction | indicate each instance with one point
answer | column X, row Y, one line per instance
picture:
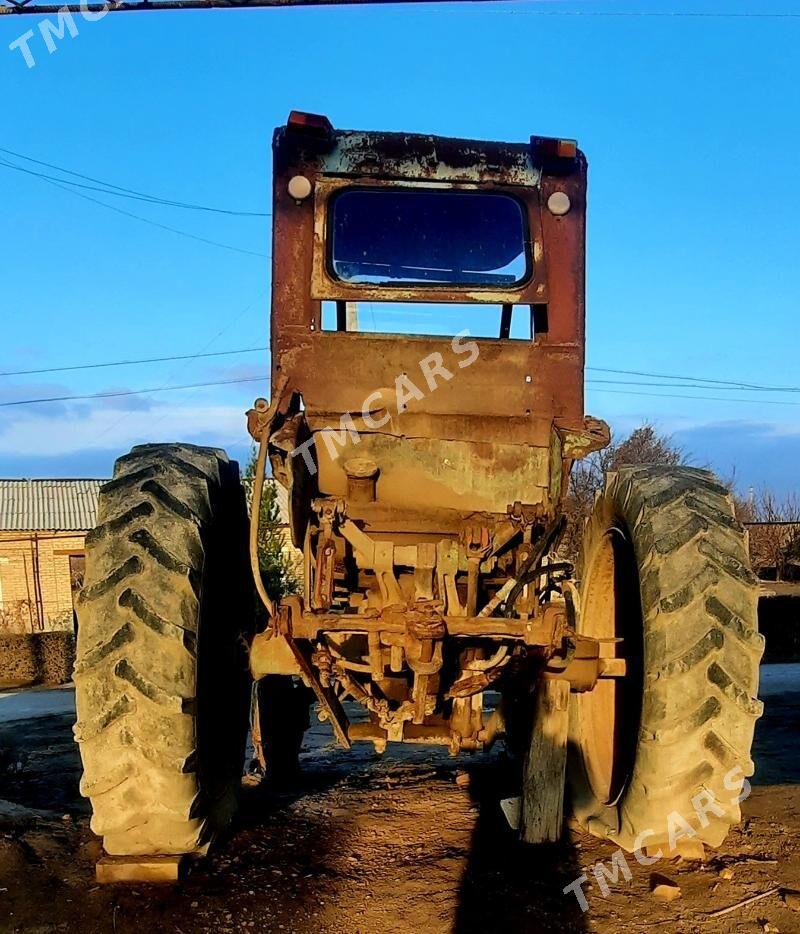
column 36, row 658
column 294, row 555
column 25, row 604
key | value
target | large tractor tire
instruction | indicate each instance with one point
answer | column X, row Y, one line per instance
column 162, row 684
column 665, row 568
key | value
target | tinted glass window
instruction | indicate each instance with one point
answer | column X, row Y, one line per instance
column 397, row 236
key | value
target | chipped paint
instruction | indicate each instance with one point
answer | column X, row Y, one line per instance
column 405, row 155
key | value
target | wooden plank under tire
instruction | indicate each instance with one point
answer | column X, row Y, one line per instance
column 542, row 813
column 150, row 869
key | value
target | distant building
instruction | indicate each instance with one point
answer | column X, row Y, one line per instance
column 43, row 526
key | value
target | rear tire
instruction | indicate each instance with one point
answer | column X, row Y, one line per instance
column 664, row 565
column 162, row 684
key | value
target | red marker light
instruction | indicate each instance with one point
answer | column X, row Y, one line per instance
column 546, row 147
column 310, row 124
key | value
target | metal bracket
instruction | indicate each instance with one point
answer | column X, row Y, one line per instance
column 326, row 697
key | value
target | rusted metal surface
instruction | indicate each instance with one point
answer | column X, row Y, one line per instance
column 271, row 654
column 428, row 519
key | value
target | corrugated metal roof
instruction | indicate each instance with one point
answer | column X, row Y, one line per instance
column 66, row 505
column 48, row 505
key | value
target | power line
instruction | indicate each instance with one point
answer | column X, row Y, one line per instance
column 230, row 322
column 701, row 381
column 666, row 395
column 97, row 366
column 135, row 392
column 118, row 190
column 736, row 384
column 696, row 385
column 256, row 379
column 145, row 220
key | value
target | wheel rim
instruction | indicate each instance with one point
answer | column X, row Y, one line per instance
column 610, row 713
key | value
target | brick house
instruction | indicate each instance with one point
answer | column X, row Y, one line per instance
column 43, row 525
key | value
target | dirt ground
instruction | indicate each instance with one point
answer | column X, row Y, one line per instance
column 400, row 843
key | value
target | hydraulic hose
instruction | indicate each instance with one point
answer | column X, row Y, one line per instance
column 255, row 519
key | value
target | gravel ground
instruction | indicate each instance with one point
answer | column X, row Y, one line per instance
column 411, row 841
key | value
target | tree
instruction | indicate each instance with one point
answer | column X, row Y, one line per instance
column 278, row 567
column 774, row 531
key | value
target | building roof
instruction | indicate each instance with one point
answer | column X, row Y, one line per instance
column 48, row 505
column 66, row 505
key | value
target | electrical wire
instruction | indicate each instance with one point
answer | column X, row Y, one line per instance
column 254, row 379
column 97, row 366
column 698, row 382
column 701, row 381
column 145, row 220
column 672, row 395
column 706, row 386
column 230, row 322
column 735, row 384
column 118, row 190
column 135, row 392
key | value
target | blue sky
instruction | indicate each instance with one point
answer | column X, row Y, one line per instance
column 691, row 126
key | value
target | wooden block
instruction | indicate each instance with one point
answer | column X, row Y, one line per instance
column 545, row 766
column 664, row 888
column 138, row 868
column 690, row 848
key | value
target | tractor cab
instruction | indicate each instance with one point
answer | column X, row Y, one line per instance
column 427, row 321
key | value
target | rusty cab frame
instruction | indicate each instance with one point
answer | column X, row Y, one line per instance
column 428, row 525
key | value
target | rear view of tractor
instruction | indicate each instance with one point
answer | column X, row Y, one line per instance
column 426, row 468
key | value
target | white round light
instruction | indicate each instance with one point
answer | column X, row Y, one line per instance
column 299, row 187
column 558, row 203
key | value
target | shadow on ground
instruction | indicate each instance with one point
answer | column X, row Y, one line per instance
column 410, row 842
column 507, row 885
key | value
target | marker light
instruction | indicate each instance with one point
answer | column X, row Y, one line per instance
column 558, row 203
column 299, row 187
column 310, row 124
column 549, row 148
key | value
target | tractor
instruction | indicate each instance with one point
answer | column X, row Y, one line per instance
column 426, row 467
